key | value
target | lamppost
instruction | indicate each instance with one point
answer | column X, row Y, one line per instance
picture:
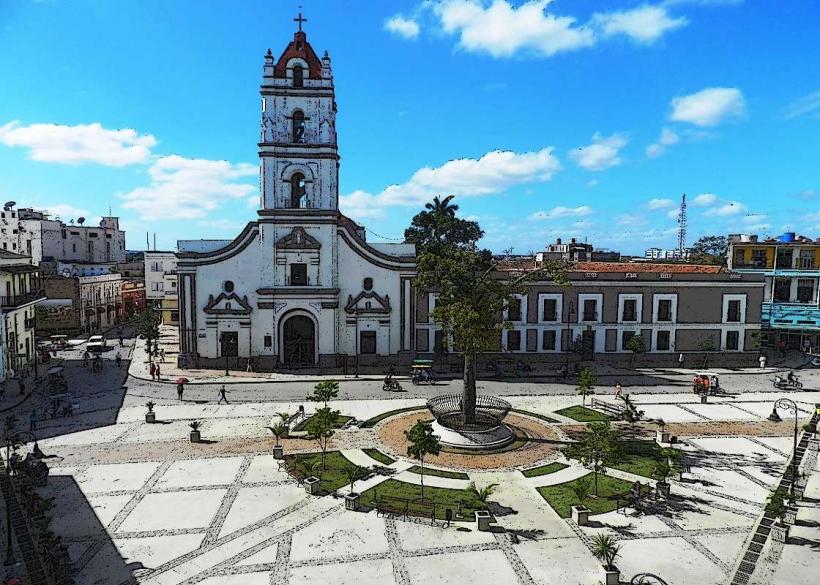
column 791, row 406
column 570, row 309
column 357, row 341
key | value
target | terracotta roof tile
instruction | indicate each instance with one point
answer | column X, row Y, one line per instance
column 301, row 49
column 647, row 267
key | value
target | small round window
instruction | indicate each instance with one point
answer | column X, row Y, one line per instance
column 228, row 286
column 368, row 283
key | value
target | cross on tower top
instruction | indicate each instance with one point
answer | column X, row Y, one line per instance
column 300, row 20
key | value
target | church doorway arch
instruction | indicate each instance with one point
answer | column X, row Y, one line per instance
column 298, row 341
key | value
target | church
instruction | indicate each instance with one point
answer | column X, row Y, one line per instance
column 300, row 286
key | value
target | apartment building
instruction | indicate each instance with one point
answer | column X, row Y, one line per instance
column 41, row 237
column 790, row 264
column 161, row 284
column 19, row 294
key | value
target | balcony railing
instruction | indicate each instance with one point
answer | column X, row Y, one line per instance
column 17, row 300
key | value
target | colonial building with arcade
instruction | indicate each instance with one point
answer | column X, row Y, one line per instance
column 300, row 286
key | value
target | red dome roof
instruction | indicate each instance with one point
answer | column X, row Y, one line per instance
column 299, row 48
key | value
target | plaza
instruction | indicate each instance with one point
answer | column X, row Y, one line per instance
column 139, row 503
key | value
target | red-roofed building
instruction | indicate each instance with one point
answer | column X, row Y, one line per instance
column 690, row 309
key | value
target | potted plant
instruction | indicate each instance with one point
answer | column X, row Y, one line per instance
column 483, row 517
column 606, row 549
column 284, row 418
column 668, row 460
column 354, row 472
column 150, row 416
column 777, row 507
column 661, row 435
column 279, row 430
column 195, row 426
column 313, row 482
column 581, row 488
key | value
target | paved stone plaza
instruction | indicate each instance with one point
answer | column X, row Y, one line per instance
column 138, row 503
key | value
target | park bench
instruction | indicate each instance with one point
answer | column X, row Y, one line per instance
column 607, row 408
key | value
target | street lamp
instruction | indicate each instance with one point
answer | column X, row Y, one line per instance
column 791, row 406
column 570, row 308
column 357, row 341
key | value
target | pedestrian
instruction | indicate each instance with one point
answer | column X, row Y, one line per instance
column 162, row 355
column 180, row 390
column 32, row 420
column 618, row 389
column 222, row 395
column 118, row 359
column 806, row 346
column 762, row 360
column 22, row 387
column 121, row 343
column 680, row 360
column 153, row 370
column 158, row 373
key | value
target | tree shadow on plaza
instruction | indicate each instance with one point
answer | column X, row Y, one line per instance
column 94, row 555
column 730, row 461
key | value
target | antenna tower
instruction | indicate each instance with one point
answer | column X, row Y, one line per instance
column 682, row 226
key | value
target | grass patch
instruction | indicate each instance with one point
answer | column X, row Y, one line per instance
column 438, row 472
column 544, row 469
column 372, row 422
column 561, row 498
column 639, row 457
column 397, row 493
column 340, row 422
column 582, row 414
column 535, row 415
column 379, row 456
column 307, row 464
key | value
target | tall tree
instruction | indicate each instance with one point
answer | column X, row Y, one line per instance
column 422, row 443
column 472, row 290
column 710, row 250
column 586, row 384
column 321, row 429
column 324, row 391
column 599, row 448
column 437, row 227
column 636, row 344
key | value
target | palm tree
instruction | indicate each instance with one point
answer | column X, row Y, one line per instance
column 442, row 206
column 483, row 494
column 606, row 549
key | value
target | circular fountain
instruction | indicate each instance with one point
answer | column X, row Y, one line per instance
column 486, row 432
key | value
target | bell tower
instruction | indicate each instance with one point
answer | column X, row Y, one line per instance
column 298, row 155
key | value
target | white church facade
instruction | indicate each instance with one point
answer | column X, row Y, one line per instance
column 300, row 286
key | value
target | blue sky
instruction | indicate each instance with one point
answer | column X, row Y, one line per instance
column 546, row 119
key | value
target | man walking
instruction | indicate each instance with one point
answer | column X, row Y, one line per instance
column 158, row 373
column 153, row 370
column 680, row 360
column 180, row 390
column 222, row 395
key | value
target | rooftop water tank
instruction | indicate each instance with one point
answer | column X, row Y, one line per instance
column 786, row 238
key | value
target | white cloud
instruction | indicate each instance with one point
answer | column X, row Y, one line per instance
column 726, row 209
column 705, row 199
column 593, row 183
column 808, row 105
column 659, row 203
column 84, row 143
column 602, row 154
column 406, row 28
column 184, row 188
column 561, row 211
column 223, row 225
column 756, row 221
column 493, row 173
column 709, row 106
column 673, row 214
column 644, row 24
column 501, row 30
column 667, row 138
